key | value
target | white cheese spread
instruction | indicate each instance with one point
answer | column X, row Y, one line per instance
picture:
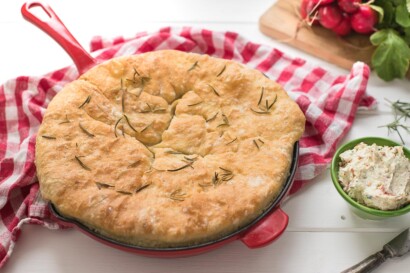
column 376, row 176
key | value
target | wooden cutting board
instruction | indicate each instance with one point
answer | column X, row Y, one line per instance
column 282, row 22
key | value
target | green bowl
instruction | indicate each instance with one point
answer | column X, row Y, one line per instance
column 359, row 209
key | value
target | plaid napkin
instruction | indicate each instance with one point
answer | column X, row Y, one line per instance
column 329, row 102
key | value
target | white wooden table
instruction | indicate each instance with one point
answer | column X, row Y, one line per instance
column 323, row 235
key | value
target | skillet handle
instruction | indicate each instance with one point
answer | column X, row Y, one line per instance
column 267, row 230
column 58, row 31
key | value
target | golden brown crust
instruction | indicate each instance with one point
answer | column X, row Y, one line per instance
column 167, row 148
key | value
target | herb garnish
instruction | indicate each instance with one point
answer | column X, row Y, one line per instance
column 66, row 120
column 124, row 192
column 143, row 187
column 115, row 126
column 225, row 120
column 232, row 141
column 87, row 100
column 226, row 175
column 261, row 97
column 146, row 127
column 143, row 79
column 81, row 163
column 265, row 109
column 85, row 130
column 214, row 90
column 401, row 112
column 129, row 123
column 256, row 143
column 134, row 80
column 178, row 195
column 193, row 66
column 213, row 117
column 48, row 137
column 101, row 185
column 189, row 164
column 222, row 71
column 153, row 110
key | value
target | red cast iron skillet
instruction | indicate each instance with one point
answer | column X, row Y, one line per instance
column 263, row 230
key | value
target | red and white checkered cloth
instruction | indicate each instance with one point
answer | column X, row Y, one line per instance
column 329, row 102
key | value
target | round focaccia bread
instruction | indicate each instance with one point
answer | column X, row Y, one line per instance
column 167, row 148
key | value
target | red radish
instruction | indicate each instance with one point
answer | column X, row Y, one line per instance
column 329, row 16
column 349, row 6
column 344, row 27
column 364, row 19
column 308, row 10
column 322, row 2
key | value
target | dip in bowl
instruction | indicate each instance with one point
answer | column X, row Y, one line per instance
column 356, row 198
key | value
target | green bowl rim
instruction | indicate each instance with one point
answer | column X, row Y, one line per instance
column 334, row 169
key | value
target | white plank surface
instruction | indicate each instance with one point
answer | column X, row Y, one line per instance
column 317, row 239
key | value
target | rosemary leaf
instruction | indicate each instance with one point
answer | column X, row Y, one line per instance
column 123, row 101
column 85, row 130
column 48, row 137
column 261, row 97
column 178, row 195
column 129, row 123
column 190, row 159
column 222, row 71
column 181, row 168
column 402, row 112
column 214, row 90
column 124, row 192
column 232, row 141
column 213, row 117
column 87, row 100
column 66, row 120
column 260, row 112
column 256, row 144
column 225, row 119
column 101, row 185
column 115, row 126
column 222, row 124
column 193, row 66
column 270, row 106
column 215, row 179
column 225, row 170
column 227, row 177
column 81, row 163
column 143, row 187
column 144, row 80
column 146, row 127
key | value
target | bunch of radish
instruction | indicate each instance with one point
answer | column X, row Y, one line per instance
column 341, row 16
